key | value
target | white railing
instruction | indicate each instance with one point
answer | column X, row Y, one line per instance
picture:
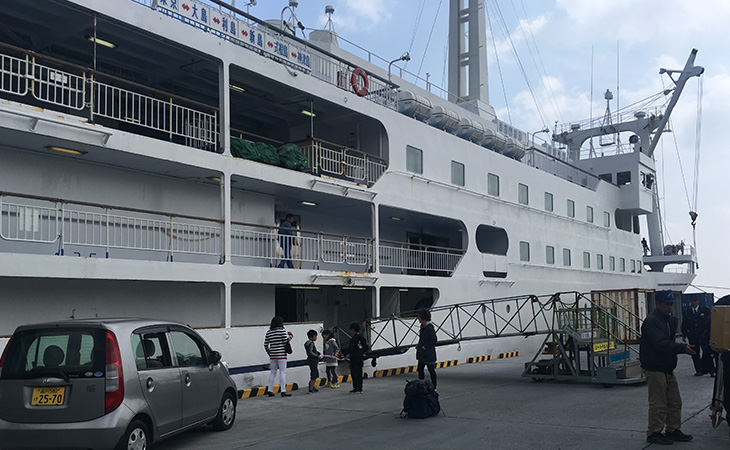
column 13, row 74
column 265, row 243
column 90, row 225
column 343, row 162
column 158, row 111
column 551, row 164
column 58, row 87
column 405, row 257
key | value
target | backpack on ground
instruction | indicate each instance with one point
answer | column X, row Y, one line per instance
column 421, row 400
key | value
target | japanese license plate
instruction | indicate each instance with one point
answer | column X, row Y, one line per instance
column 48, row 396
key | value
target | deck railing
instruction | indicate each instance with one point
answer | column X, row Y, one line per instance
column 422, row 259
column 79, row 89
column 343, row 162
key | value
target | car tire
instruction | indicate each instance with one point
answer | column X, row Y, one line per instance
column 137, row 437
column 226, row 413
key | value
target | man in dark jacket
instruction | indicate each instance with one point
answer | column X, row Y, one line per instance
column 658, row 355
column 426, row 349
column 356, row 351
column 695, row 327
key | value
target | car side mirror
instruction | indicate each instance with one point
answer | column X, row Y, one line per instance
column 214, row 358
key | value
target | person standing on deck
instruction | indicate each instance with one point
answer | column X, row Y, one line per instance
column 695, row 326
column 275, row 345
column 286, row 240
column 658, row 355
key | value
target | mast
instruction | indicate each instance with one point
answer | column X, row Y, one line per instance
column 468, row 80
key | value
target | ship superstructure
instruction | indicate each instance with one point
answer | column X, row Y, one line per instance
column 147, row 168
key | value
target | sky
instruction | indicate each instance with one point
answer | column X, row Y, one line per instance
column 568, row 53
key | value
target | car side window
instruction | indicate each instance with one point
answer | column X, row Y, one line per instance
column 188, row 350
column 150, row 350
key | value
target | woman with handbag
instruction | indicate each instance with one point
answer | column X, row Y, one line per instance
column 277, row 346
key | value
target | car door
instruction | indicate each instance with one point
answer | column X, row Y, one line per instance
column 200, row 382
column 159, row 378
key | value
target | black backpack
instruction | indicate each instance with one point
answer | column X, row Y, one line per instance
column 421, row 400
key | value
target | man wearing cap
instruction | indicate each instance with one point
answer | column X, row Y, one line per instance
column 658, row 354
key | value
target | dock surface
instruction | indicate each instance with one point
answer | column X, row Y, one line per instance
column 486, row 405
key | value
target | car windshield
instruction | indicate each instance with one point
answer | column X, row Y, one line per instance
column 69, row 353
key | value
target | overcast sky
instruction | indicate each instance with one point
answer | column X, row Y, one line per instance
column 627, row 40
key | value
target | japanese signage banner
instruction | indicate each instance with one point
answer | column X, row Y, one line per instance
column 271, row 43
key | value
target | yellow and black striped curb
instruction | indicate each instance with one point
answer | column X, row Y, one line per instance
column 261, row 390
column 476, row 359
column 340, row 379
column 508, row 355
column 409, row 369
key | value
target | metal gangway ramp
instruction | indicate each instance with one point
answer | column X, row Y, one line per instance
column 588, row 337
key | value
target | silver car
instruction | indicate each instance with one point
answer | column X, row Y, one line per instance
column 109, row 383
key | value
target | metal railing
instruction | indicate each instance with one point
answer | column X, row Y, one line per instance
column 406, row 257
column 483, row 319
column 80, row 224
column 265, row 243
column 551, row 164
column 343, row 162
column 80, row 90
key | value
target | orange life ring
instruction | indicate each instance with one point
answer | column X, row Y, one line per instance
column 361, row 91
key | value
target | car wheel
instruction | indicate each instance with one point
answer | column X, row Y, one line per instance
column 226, row 413
column 135, row 438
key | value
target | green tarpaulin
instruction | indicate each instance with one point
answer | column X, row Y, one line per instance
column 288, row 155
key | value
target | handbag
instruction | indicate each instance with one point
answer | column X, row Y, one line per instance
column 288, row 347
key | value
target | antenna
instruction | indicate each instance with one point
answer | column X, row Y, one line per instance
column 329, row 10
column 607, row 139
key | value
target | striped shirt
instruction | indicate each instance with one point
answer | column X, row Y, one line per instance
column 275, row 343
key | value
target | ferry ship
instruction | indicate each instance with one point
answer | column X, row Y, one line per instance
column 152, row 149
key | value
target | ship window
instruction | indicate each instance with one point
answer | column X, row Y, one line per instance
column 611, row 263
column 492, row 240
column 599, row 262
column 548, row 201
column 622, row 264
column 566, row 257
column 637, row 227
column 633, row 266
column 638, row 266
column 457, row 173
column 623, row 220
column 414, row 159
column 571, row 208
column 623, row 178
column 606, row 176
column 524, row 251
column 586, row 260
column 589, row 214
column 523, row 194
column 550, row 254
column 606, row 219
column 493, row 184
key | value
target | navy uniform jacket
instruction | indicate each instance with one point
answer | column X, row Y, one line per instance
column 426, row 350
column 658, row 350
column 695, row 325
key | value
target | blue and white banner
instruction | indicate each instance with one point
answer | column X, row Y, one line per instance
column 269, row 42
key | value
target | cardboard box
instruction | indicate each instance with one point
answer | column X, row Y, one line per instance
column 720, row 328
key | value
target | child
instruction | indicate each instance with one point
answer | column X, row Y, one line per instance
column 313, row 357
column 331, row 350
column 356, row 350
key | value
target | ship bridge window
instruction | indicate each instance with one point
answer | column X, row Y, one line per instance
column 627, row 221
column 414, row 159
column 607, row 177
column 493, row 184
column 623, row 178
column 523, row 194
column 457, row 173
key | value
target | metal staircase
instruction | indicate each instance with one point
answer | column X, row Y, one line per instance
column 589, row 342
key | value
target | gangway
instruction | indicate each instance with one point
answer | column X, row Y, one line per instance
column 585, row 340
